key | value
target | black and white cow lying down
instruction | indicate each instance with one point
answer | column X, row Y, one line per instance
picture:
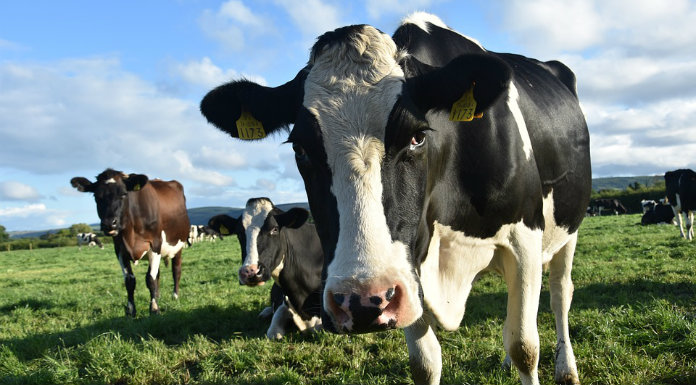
column 656, row 213
column 89, row 239
column 427, row 160
column 283, row 246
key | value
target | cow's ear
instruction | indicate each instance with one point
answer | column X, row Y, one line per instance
column 134, row 182
column 293, row 218
column 482, row 77
column 223, row 224
column 82, row 184
column 249, row 111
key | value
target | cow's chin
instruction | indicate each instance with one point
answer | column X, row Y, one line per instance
column 253, row 284
column 113, row 233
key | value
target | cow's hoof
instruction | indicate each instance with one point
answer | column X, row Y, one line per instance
column 568, row 379
column 507, row 363
column 130, row 311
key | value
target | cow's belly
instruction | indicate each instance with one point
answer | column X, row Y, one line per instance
column 168, row 249
column 455, row 260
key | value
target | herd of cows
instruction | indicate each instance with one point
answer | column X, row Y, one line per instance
column 427, row 161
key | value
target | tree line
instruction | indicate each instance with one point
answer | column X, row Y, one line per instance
column 631, row 196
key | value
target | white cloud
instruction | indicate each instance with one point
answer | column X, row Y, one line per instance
column 186, row 169
column 232, row 23
column 24, row 211
column 205, row 73
column 17, row 191
column 265, row 184
column 377, row 8
column 313, row 17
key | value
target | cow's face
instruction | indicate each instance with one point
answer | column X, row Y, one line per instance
column 366, row 132
column 111, row 196
column 261, row 238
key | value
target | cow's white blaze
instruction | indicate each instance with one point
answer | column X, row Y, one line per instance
column 254, row 216
column 351, row 90
column 512, row 102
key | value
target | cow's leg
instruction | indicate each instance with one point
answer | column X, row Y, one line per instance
column 424, row 353
column 129, row 279
column 561, row 288
column 677, row 216
column 522, row 272
column 152, row 280
column 176, row 273
column 280, row 318
column 689, row 225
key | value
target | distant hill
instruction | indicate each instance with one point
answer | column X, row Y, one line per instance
column 621, row 182
column 201, row 215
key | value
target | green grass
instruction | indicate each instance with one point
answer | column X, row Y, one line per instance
column 633, row 321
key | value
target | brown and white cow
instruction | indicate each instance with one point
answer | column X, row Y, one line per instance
column 145, row 218
column 427, row 160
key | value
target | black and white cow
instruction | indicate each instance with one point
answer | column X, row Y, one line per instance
column 427, row 160
column 658, row 213
column 647, row 205
column 614, row 206
column 681, row 194
column 89, row 239
column 284, row 246
column 199, row 233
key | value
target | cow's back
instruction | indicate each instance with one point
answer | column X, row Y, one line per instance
column 173, row 216
column 159, row 206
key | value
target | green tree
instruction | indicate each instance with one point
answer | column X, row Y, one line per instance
column 4, row 236
column 80, row 228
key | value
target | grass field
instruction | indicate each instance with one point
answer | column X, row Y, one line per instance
column 633, row 321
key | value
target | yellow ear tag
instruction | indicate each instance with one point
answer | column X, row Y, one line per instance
column 463, row 109
column 136, row 187
column 248, row 128
column 223, row 230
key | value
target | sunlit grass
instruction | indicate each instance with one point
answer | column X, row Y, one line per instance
column 633, row 321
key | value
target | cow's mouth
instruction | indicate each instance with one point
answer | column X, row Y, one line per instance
column 357, row 318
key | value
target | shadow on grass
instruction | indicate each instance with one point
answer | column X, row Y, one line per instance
column 600, row 296
column 172, row 327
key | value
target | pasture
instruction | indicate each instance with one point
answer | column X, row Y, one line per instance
column 633, row 321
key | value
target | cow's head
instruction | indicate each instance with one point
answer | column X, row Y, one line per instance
column 370, row 124
column 259, row 230
column 111, row 195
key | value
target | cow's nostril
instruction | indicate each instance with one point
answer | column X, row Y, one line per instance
column 389, row 294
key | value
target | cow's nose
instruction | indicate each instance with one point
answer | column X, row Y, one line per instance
column 364, row 312
column 251, row 275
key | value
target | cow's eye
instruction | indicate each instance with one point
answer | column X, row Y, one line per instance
column 274, row 230
column 300, row 154
column 417, row 140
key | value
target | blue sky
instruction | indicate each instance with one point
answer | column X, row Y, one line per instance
column 90, row 85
